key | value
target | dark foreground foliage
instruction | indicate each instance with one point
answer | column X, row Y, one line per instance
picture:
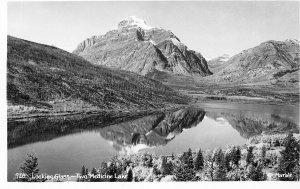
column 217, row 165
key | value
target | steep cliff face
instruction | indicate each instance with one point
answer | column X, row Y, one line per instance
column 137, row 47
column 270, row 62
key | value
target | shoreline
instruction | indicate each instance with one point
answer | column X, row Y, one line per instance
column 136, row 112
column 240, row 100
column 120, row 113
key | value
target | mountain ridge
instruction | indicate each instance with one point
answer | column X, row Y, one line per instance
column 262, row 63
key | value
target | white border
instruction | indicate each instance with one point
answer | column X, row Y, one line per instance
column 3, row 143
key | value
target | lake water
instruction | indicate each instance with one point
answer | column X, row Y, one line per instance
column 64, row 144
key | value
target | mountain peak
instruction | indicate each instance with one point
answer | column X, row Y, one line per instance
column 139, row 48
column 133, row 21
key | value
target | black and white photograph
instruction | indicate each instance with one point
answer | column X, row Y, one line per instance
column 151, row 91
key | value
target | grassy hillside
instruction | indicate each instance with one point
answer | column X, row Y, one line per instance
column 45, row 79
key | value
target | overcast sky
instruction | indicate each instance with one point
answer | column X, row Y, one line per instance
column 211, row 28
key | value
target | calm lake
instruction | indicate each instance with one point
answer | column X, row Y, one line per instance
column 64, row 144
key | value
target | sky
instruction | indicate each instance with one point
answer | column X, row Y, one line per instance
column 211, row 28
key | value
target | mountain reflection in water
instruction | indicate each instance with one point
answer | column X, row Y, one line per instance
column 149, row 131
column 264, row 119
column 64, row 144
column 152, row 130
column 250, row 124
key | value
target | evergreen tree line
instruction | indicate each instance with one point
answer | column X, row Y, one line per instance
column 216, row 166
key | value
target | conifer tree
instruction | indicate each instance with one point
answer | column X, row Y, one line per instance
column 103, row 168
column 83, row 169
column 129, row 176
column 112, row 170
column 289, row 161
column 180, row 174
column 263, row 155
column 84, row 172
column 167, row 167
column 250, row 155
column 170, row 167
column 220, row 172
column 29, row 170
column 237, row 156
column 232, row 153
column 164, row 166
column 209, row 167
column 94, row 174
column 199, row 162
column 189, row 159
column 185, row 171
column 227, row 161
column 255, row 172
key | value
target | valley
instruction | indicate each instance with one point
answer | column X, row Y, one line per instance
column 267, row 73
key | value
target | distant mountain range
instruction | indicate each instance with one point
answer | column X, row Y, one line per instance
column 107, row 72
column 159, row 54
column 271, row 62
column 137, row 47
column 45, row 79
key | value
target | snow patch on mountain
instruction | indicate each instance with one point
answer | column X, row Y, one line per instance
column 135, row 22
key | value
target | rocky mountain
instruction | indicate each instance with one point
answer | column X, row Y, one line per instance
column 134, row 46
column 216, row 64
column 271, row 62
column 45, row 79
